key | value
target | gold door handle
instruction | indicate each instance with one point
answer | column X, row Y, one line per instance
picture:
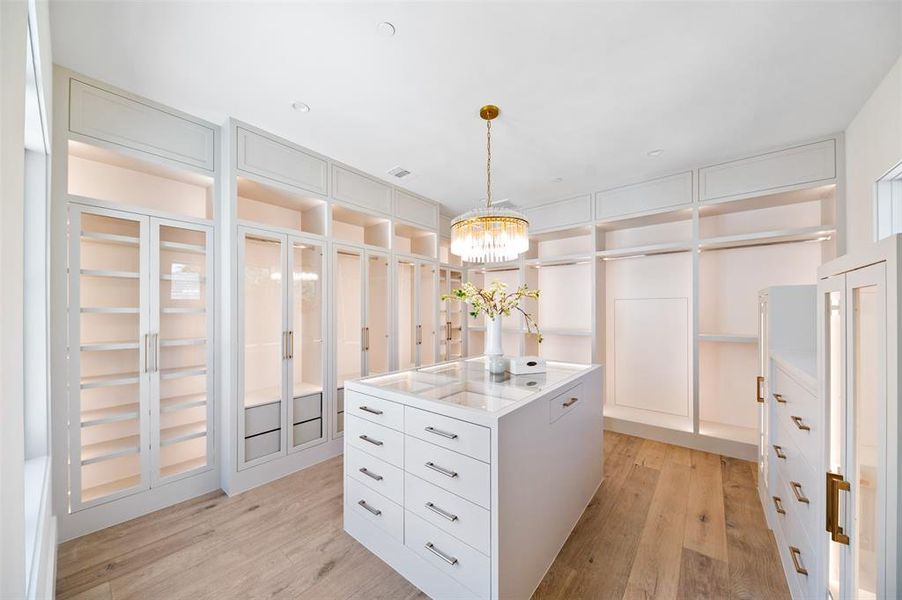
column 367, row 329
column 797, row 491
column 778, row 450
column 796, row 556
column 759, row 388
column 800, row 423
column 779, row 398
column 835, row 484
column 778, row 505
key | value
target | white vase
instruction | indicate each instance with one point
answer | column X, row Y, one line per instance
column 494, row 354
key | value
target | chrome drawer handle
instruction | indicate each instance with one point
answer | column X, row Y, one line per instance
column 442, row 513
column 375, row 511
column 372, row 411
column 444, row 434
column 370, row 474
column 442, row 470
column 797, row 490
column 779, row 398
column 778, row 450
column 778, row 505
column 800, row 424
column 570, row 402
column 796, row 555
column 367, row 438
column 448, row 559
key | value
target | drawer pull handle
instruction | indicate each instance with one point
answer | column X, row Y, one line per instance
column 778, row 505
column 779, row 398
column 370, row 474
column 367, row 438
column 778, row 450
column 570, row 402
column 797, row 490
column 800, row 424
column 375, row 511
column 442, row 470
column 759, row 388
column 835, row 484
column 448, row 559
column 796, row 555
column 444, row 434
column 442, row 513
column 372, row 411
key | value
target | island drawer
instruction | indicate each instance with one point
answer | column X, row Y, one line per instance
column 564, row 403
column 466, row 521
column 381, row 442
column 449, row 555
column 447, row 432
column 375, row 474
column 459, row 474
column 375, row 508
column 377, row 410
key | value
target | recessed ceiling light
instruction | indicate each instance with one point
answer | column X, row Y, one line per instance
column 300, row 107
column 385, row 29
column 656, row 152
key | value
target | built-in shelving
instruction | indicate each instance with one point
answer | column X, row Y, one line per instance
column 728, row 338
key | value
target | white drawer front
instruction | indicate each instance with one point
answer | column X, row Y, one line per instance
column 459, row 474
column 280, row 162
column 258, row 419
column 461, row 518
column 375, row 474
column 377, row 410
column 799, row 413
column 664, row 192
column 358, row 189
column 415, row 209
column 565, row 403
column 449, row 555
column 794, row 536
column 374, row 439
column 375, row 508
column 803, row 484
column 454, row 434
column 305, row 408
column 261, row 445
column 308, row 431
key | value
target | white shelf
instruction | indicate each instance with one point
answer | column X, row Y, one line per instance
column 729, row 338
column 183, row 342
column 106, row 489
column 111, row 380
column 102, row 416
column 767, row 238
column 109, row 238
column 269, row 395
column 101, row 451
column 734, row 433
column 110, row 274
column 183, row 466
column 646, row 250
column 180, row 247
column 183, row 311
column 168, row 277
column 561, row 261
column 110, row 310
column 566, row 332
column 106, row 346
column 177, row 403
column 179, row 372
column 183, row 433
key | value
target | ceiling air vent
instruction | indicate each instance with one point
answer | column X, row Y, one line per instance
column 400, row 172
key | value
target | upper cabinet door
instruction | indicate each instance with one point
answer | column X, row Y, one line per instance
column 658, row 194
column 280, row 162
column 773, row 172
column 121, row 120
column 417, row 210
column 349, row 186
column 557, row 215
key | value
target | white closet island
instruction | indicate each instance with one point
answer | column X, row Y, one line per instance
column 469, row 484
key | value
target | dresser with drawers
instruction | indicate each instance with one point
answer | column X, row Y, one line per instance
column 469, row 484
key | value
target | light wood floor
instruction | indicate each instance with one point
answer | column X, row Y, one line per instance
column 666, row 523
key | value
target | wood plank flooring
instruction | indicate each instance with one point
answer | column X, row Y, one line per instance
column 666, row 523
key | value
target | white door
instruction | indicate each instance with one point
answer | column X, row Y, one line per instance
column 350, row 331
column 427, row 313
column 377, row 315
column 406, row 311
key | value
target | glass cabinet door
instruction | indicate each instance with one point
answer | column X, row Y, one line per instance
column 263, row 342
column 349, row 329
column 455, row 319
column 444, row 323
column 407, row 314
column 378, row 296
column 306, row 343
column 181, row 326
column 426, row 310
column 109, row 355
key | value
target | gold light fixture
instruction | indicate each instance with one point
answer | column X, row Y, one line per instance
column 490, row 234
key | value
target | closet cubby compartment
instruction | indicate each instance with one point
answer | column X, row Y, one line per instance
column 124, row 181
column 349, row 225
column 657, row 233
column 280, row 207
column 445, row 256
column 409, row 239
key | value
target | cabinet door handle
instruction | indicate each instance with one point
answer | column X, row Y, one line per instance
column 796, row 555
column 800, row 424
column 779, row 398
column 419, row 334
column 367, row 329
column 367, row 438
column 442, row 470
column 372, row 411
column 155, row 342
column 570, row 402
column 363, row 338
column 835, row 484
column 445, row 557
column 291, row 344
column 778, row 505
column 442, row 513
column 375, row 511
column 759, row 387
column 370, row 474
column 146, row 351
column 444, row 434
column 778, row 450
column 797, row 490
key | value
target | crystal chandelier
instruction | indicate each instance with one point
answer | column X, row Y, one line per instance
column 489, row 234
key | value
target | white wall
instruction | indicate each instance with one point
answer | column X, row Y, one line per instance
column 873, row 145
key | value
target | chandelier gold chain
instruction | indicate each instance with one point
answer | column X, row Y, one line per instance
column 488, row 164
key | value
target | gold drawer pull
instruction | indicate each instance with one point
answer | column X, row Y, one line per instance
column 778, row 450
column 779, row 398
column 570, row 402
column 778, row 505
column 800, row 424
column 797, row 490
column 835, row 484
column 759, row 388
column 796, row 556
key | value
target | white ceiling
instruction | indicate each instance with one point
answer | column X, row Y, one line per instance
column 585, row 89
